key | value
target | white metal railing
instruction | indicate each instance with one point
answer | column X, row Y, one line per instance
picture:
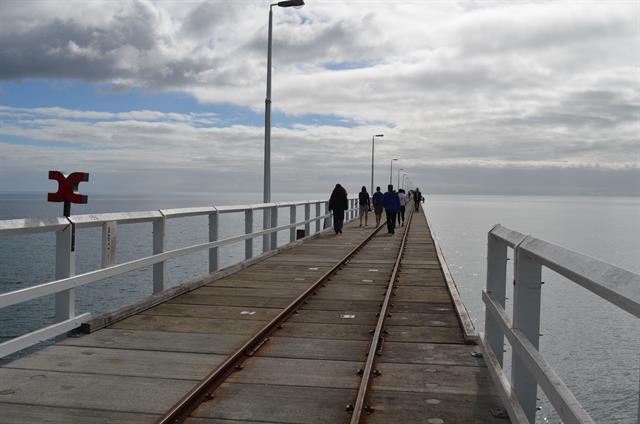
column 65, row 283
column 528, row 368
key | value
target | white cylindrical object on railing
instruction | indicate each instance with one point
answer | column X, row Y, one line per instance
column 266, row 222
column 327, row 220
column 496, row 287
column 307, row 217
column 526, row 318
column 109, row 243
column 213, row 236
column 65, row 301
column 248, row 229
column 292, row 220
column 159, row 269
column 274, row 224
column 317, row 215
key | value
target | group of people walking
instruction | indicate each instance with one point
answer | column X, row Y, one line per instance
column 392, row 202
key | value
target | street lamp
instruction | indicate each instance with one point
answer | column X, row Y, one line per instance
column 373, row 139
column 391, row 172
column 266, row 198
column 399, row 169
column 404, row 180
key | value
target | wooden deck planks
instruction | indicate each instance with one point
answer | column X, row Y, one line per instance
column 305, row 373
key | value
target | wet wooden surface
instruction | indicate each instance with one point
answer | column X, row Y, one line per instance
column 306, row 373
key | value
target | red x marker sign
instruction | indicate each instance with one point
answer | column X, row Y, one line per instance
column 67, row 185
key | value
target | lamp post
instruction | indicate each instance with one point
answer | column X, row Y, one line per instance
column 391, row 172
column 399, row 169
column 266, row 198
column 373, row 139
column 404, row 180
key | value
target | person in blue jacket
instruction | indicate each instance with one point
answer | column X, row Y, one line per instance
column 391, row 207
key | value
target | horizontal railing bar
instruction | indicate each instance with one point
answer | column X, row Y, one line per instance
column 564, row 402
column 185, row 212
column 612, row 283
column 11, row 227
column 510, row 237
column 505, row 391
column 26, row 340
column 28, row 293
column 92, row 220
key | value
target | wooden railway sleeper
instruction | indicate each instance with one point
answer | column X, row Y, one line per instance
column 376, row 349
column 204, row 390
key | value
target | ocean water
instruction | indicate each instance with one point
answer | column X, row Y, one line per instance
column 28, row 260
column 592, row 345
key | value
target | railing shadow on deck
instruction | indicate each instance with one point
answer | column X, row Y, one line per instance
column 529, row 368
column 63, row 287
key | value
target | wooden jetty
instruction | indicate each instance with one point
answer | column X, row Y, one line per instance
column 309, row 370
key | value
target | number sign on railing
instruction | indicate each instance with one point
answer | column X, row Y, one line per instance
column 529, row 369
column 63, row 287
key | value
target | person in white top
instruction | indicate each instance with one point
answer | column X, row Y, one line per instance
column 403, row 202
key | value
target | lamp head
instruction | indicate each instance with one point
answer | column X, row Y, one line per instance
column 291, row 3
column 379, row 135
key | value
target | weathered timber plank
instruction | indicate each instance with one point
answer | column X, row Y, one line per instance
column 298, row 372
column 190, row 325
column 338, row 350
column 347, row 293
column 433, row 378
column 430, row 353
column 252, row 292
column 38, row 414
column 85, row 391
column 222, row 344
column 206, row 311
column 422, row 294
column 174, row 365
column 407, row 407
column 255, row 301
column 334, row 317
column 399, row 333
column 265, row 403
column 325, row 331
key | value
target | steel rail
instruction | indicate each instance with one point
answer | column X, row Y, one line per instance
column 204, row 390
column 359, row 405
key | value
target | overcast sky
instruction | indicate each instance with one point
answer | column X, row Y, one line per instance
column 472, row 97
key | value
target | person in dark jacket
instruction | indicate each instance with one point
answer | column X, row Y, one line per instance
column 417, row 198
column 338, row 203
column 391, row 208
column 378, row 204
column 364, row 203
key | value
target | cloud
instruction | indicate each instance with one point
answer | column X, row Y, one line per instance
column 477, row 85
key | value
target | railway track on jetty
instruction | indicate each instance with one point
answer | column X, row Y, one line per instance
column 359, row 327
column 357, row 406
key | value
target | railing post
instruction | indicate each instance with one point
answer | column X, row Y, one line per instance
column 213, row 236
column 327, row 221
column 266, row 221
column 109, row 242
column 65, row 301
column 496, row 286
column 158, row 247
column 248, row 229
column 292, row 220
column 526, row 319
column 317, row 215
column 307, row 217
column 274, row 224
